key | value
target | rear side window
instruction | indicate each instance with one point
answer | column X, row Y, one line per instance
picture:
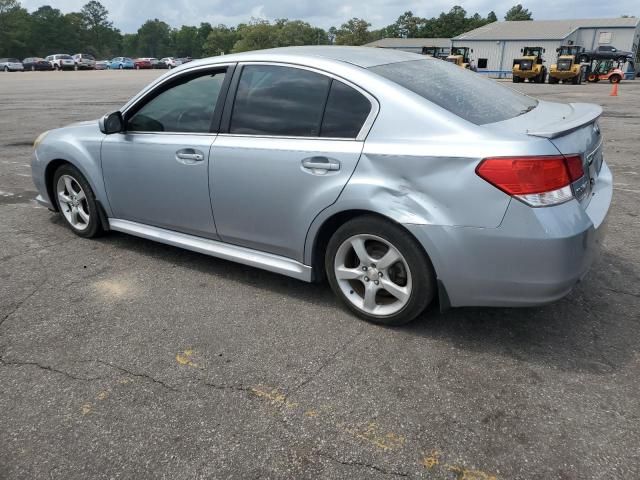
column 460, row 91
column 345, row 113
column 283, row 101
column 186, row 106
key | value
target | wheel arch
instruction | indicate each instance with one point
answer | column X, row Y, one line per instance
column 325, row 229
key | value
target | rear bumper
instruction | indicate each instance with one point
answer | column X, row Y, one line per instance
column 536, row 256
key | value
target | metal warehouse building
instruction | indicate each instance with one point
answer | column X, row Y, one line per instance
column 496, row 45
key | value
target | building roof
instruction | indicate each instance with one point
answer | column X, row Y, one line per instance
column 542, row 29
column 410, row 42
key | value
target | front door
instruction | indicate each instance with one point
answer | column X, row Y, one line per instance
column 293, row 139
column 156, row 172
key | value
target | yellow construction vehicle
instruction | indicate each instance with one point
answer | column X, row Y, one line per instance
column 529, row 66
column 568, row 66
column 460, row 56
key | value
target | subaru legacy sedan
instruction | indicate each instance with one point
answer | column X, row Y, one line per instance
column 402, row 179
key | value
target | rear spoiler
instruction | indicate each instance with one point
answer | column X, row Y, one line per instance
column 581, row 114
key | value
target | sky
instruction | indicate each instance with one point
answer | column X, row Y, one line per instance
column 128, row 15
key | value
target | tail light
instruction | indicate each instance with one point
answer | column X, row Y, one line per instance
column 537, row 181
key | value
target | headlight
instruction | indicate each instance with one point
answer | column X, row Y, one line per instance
column 39, row 139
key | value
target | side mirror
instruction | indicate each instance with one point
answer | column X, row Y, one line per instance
column 111, row 123
column 521, row 50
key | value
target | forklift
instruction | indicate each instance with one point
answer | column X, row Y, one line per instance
column 436, row 52
column 529, row 66
column 460, row 56
column 605, row 70
column 567, row 67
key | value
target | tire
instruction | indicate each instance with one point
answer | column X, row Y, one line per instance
column 6, row 69
column 83, row 228
column 614, row 79
column 516, row 79
column 56, row 67
column 410, row 276
column 137, row 67
column 121, row 67
column 76, row 68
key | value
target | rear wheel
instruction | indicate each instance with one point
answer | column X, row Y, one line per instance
column 614, row 79
column 516, row 79
column 6, row 69
column 76, row 202
column 121, row 67
column 379, row 271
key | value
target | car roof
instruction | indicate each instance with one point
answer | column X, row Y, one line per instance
column 360, row 56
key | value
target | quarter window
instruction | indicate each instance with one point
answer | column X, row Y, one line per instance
column 345, row 113
column 275, row 100
column 186, row 106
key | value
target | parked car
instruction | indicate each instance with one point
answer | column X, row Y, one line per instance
column 171, row 62
column 184, row 60
column 36, row 63
column 11, row 65
column 142, row 63
column 121, row 63
column 61, row 61
column 84, row 61
column 159, row 64
column 102, row 64
column 606, row 52
column 348, row 163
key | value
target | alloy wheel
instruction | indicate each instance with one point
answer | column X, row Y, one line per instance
column 373, row 275
column 73, row 202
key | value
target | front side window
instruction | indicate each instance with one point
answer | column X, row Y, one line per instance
column 276, row 100
column 186, row 106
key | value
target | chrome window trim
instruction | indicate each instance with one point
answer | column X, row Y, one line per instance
column 366, row 126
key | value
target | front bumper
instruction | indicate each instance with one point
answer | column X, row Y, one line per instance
column 536, row 256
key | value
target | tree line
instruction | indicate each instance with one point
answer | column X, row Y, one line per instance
column 47, row 30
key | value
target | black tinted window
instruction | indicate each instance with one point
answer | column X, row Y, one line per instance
column 346, row 111
column 273, row 100
column 464, row 93
column 185, row 107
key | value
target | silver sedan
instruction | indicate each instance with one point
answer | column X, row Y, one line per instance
column 402, row 179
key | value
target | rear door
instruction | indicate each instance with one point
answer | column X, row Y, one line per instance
column 291, row 138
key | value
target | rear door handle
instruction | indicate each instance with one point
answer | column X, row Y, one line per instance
column 189, row 156
column 321, row 163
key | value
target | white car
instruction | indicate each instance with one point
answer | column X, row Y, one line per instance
column 84, row 61
column 11, row 65
column 171, row 62
column 61, row 61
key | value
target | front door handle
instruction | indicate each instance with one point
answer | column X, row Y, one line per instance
column 189, row 156
column 321, row 163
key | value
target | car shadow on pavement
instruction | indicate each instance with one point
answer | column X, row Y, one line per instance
column 593, row 330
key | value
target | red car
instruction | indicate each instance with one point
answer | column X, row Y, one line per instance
column 140, row 63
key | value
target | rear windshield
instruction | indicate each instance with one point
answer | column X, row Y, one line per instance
column 88, row 56
column 65, row 57
column 460, row 91
column 14, row 60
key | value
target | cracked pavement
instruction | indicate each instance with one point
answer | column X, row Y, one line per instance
column 121, row 358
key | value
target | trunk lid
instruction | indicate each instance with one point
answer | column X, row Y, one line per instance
column 573, row 129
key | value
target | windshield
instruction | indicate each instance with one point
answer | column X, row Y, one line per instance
column 460, row 91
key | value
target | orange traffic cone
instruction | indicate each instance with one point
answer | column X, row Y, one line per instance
column 614, row 90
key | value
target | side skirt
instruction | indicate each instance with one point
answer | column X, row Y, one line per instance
column 246, row 256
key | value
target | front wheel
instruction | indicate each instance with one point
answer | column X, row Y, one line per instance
column 76, row 202
column 6, row 69
column 379, row 271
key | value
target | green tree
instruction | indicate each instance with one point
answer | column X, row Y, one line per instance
column 220, row 40
column 101, row 37
column 187, row 42
column 354, row 32
column 14, row 29
column 297, row 32
column 517, row 13
column 256, row 35
column 154, row 39
column 49, row 31
column 492, row 17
